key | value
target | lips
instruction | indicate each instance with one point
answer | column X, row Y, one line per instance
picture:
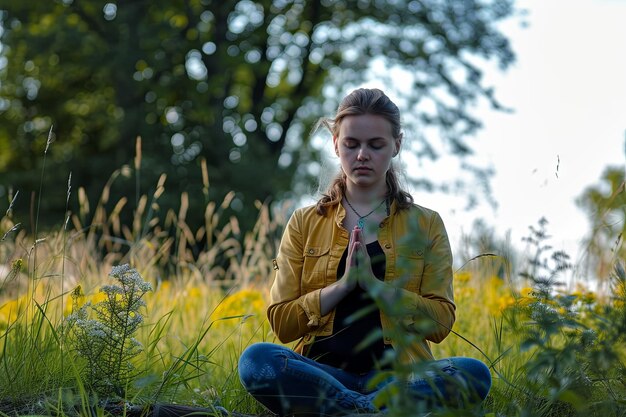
column 362, row 169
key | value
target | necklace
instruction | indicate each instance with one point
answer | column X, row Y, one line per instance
column 361, row 221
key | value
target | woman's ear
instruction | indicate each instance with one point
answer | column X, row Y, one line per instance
column 335, row 145
column 398, row 144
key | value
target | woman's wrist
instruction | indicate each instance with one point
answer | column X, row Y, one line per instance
column 331, row 296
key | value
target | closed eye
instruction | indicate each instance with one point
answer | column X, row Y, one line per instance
column 374, row 143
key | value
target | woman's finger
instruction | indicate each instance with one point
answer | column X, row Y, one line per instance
column 355, row 238
column 351, row 259
column 358, row 255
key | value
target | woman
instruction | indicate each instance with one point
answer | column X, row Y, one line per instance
column 363, row 281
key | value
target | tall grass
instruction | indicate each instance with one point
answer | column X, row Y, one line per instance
column 198, row 318
column 552, row 351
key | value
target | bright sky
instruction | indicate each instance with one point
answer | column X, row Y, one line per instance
column 568, row 89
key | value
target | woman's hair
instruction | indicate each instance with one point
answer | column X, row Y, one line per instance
column 359, row 102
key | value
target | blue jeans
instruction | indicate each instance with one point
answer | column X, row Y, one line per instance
column 288, row 383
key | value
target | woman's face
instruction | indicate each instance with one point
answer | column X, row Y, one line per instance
column 365, row 147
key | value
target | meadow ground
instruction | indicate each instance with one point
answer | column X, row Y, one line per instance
column 81, row 336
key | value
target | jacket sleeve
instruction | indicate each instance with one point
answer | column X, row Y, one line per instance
column 292, row 314
column 433, row 307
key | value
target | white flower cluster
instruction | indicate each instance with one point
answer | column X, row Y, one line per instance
column 93, row 329
column 107, row 341
column 112, row 289
column 130, row 278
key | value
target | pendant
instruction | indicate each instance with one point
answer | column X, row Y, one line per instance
column 360, row 223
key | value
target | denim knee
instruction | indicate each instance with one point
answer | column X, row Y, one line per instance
column 476, row 374
column 256, row 364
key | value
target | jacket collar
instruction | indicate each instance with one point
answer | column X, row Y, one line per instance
column 340, row 214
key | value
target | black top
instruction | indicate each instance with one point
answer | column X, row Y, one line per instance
column 356, row 344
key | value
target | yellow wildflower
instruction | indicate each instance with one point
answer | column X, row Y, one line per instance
column 526, row 296
column 462, row 277
column 241, row 303
column 11, row 310
column 505, row 302
column 78, row 298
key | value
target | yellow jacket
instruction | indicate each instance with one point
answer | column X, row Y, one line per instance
column 418, row 263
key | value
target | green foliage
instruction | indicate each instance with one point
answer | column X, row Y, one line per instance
column 605, row 204
column 397, row 397
column 107, row 342
column 544, row 270
column 235, row 83
column 576, row 363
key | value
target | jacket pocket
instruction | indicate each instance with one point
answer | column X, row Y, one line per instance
column 314, row 268
column 410, row 267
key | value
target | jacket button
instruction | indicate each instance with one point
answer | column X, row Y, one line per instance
column 419, row 253
column 381, row 224
column 311, row 251
column 388, row 245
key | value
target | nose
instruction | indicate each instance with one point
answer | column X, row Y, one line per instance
column 362, row 155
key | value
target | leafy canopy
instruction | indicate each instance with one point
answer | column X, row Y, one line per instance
column 236, row 83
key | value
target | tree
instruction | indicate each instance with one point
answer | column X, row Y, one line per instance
column 605, row 204
column 236, row 83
